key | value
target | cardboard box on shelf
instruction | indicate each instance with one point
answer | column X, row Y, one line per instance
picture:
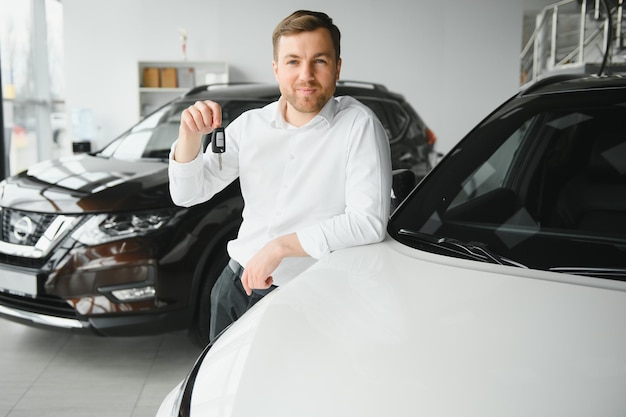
column 151, row 77
column 168, row 78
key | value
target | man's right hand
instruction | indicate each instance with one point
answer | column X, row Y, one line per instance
column 196, row 121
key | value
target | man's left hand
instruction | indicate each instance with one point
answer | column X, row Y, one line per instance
column 257, row 273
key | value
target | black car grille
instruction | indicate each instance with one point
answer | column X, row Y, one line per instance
column 23, row 228
column 46, row 305
column 20, row 261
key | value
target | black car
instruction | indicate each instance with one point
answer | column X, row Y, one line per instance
column 94, row 241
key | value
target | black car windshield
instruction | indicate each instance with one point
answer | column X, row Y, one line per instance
column 542, row 183
column 153, row 136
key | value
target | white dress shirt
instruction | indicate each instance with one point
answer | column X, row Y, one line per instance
column 328, row 181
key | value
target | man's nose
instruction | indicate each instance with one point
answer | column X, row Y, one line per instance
column 306, row 72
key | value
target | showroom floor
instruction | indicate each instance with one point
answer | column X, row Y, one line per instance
column 46, row 373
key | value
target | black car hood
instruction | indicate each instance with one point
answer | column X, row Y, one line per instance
column 86, row 183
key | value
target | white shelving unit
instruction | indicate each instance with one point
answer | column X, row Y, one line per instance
column 162, row 81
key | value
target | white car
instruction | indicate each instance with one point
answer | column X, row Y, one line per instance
column 500, row 289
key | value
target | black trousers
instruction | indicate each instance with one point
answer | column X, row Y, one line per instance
column 229, row 299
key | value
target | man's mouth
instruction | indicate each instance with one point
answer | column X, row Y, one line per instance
column 306, row 90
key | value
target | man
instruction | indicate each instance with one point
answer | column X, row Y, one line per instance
column 315, row 170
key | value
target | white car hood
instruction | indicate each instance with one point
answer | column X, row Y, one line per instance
column 384, row 330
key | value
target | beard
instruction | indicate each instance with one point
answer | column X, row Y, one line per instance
column 308, row 103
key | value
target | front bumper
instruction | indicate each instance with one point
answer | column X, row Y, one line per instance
column 81, row 298
column 43, row 314
column 38, row 319
column 98, row 290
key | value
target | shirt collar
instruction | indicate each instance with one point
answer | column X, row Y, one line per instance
column 327, row 114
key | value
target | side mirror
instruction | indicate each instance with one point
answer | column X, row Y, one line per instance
column 403, row 183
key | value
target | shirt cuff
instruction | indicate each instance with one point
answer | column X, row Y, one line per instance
column 183, row 168
column 313, row 241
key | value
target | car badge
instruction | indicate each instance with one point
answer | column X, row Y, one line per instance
column 23, row 228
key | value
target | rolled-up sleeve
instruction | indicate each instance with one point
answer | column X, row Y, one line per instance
column 196, row 181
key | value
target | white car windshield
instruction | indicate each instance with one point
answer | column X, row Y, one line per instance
column 541, row 184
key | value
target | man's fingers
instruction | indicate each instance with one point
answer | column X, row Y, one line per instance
column 216, row 112
column 193, row 120
column 211, row 113
column 202, row 117
column 249, row 282
column 244, row 282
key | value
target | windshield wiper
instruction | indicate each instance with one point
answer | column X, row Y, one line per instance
column 618, row 274
column 473, row 250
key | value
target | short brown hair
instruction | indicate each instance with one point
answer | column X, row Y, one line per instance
column 306, row 21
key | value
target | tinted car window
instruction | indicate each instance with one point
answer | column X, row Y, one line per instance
column 153, row 137
column 492, row 174
column 542, row 184
column 393, row 118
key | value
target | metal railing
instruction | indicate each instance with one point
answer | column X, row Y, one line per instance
column 570, row 34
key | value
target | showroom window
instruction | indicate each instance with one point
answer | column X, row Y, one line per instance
column 31, row 59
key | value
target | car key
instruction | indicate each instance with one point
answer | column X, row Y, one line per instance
column 218, row 143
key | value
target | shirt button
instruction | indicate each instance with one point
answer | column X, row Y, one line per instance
column 292, row 157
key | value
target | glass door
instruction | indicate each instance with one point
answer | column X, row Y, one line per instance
column 31, row 59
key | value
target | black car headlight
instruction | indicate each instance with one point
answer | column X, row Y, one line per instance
column 103, row 228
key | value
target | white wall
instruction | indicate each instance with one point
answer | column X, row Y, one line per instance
column 454, row 60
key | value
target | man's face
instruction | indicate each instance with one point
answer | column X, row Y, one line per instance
column 307, row 72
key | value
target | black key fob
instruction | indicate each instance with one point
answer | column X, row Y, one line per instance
column 218, row 140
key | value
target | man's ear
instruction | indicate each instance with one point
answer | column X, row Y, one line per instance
column 338, row 69
column 275, row 68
